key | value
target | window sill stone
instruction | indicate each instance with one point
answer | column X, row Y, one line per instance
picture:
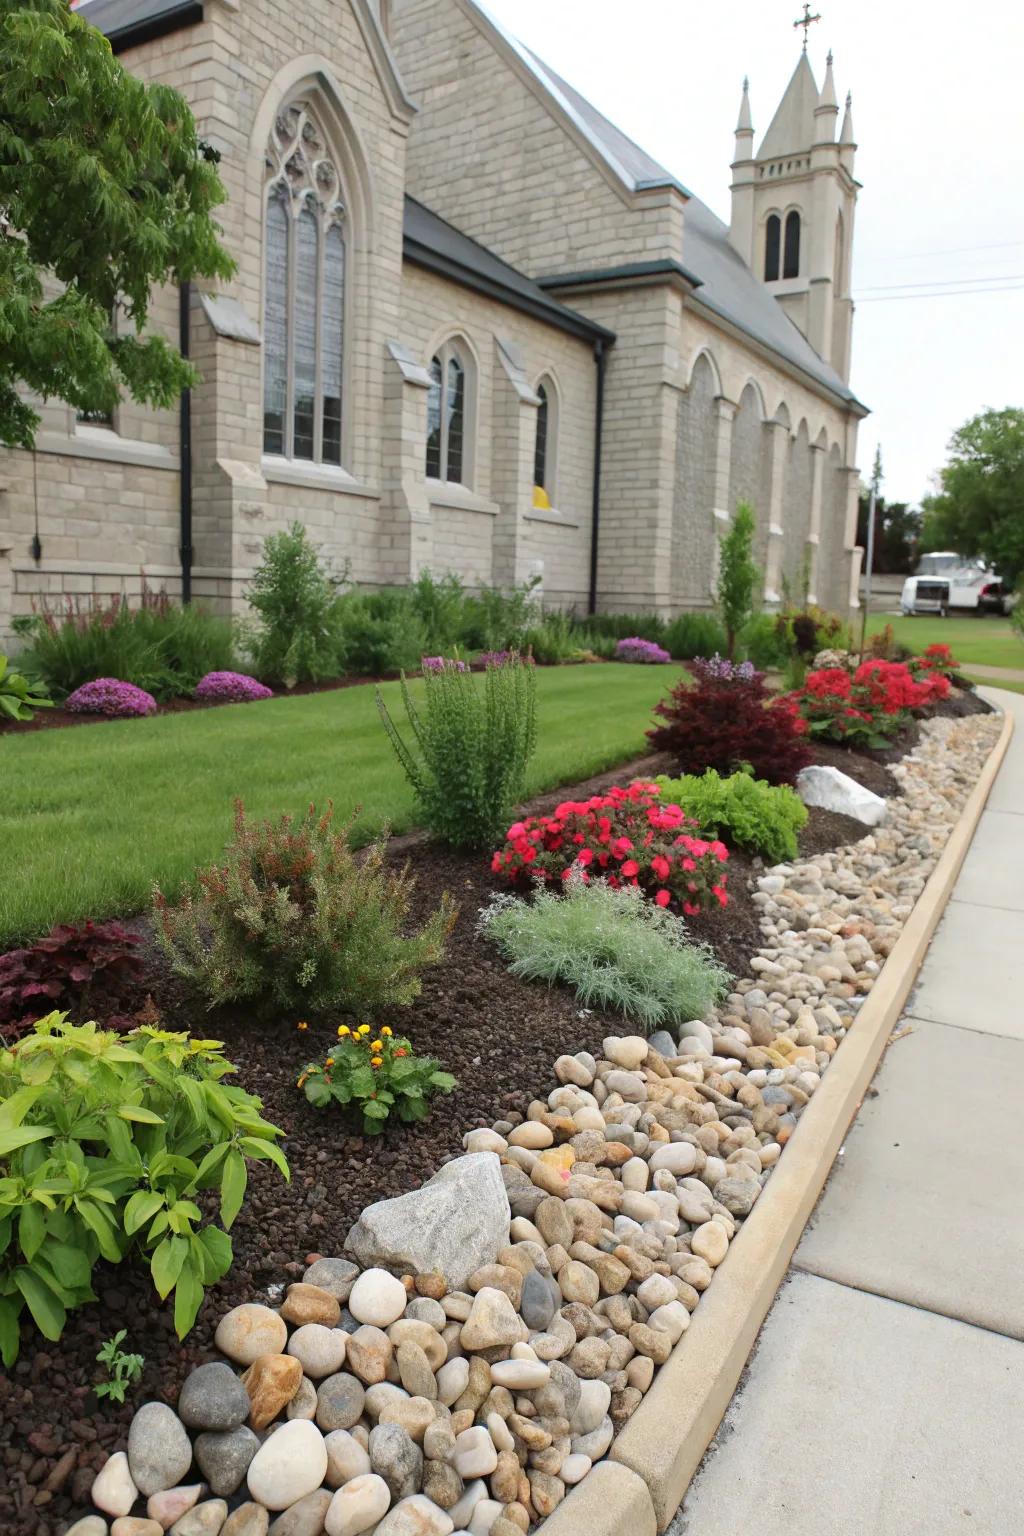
column 321, row 477
column 447, row 493
column 101, row 443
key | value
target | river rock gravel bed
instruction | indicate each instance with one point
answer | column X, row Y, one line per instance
column 438, row 1387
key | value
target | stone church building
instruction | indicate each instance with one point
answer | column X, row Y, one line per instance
column 474, row 328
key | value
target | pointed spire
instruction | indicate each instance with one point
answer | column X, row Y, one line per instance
column 846, row 132
column 744, row 123
column 827, row 96
column 793, row 130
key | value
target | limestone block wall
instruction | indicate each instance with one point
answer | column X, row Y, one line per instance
column 464, row 523
column 487, row 151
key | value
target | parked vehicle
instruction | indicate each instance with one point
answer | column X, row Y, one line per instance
column 946, row 582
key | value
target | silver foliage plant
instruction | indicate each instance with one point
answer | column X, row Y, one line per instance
column 615, row 948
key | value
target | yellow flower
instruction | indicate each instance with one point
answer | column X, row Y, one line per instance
column 302, row 1024
column 329, row 1062
column 364, row 1029
column 376, row 1061
column 343, row 1030
column 299, row 1081
column 378, row 1045
column 386, row 1030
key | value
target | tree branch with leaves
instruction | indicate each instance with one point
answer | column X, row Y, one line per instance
column 106, row 193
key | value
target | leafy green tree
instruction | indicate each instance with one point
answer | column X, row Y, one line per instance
column 738, row 574
column 979, row 509
column 897, row 532
column 106, row 192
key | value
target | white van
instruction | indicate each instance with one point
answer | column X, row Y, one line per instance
column 946, row 582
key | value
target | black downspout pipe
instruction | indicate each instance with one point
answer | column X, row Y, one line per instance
column 600, row 357
column 185, row 434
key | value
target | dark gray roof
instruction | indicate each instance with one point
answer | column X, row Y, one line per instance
column 128, row 22
column 727, row 286
column 641, row 169
column 430, row 241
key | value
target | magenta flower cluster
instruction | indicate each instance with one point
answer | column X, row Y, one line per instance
column 636, row 649
column 494, row 658
column 716, row 669
column 110, row 696
column 231, row 687
column 438, row 664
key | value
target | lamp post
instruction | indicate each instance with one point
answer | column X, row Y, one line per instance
column 876, row 480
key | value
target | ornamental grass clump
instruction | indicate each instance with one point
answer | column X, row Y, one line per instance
column 748, row 813
column 107, row 1141
column 471, row 742
column 231, row 688
column 375, row 1074
column 615, row 949
column 111, row 697
column 292, row 919
column 727, row 720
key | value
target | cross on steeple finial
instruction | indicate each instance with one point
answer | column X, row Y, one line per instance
column 806, row 21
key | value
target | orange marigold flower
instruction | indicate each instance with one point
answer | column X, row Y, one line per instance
column 401, row 1052
column 376, row 1061
column 386, row 1030
column 302, row 1024
column 329, row 1062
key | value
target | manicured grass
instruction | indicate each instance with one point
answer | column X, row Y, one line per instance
column 988, row 641
column 992, row 682
column 91, row 817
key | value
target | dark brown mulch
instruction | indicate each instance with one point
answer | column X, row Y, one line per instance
column 498, row 1035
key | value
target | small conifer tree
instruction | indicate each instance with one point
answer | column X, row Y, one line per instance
column 737, row 575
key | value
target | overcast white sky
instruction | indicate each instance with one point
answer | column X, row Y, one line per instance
column 938, row 113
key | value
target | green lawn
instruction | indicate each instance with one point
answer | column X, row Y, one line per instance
column 987, row 641
column 991, row 682
column 91, row 817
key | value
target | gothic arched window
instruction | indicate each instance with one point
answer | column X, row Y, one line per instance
column 540, row 446
column 304, row 293
column 446, row 415
column 772, row 243
column 791, row 255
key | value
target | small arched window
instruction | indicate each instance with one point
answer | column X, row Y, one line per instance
column 446, row 415
column 304, row 294
column 540, row 447
column 791, row 256
column 772, row 244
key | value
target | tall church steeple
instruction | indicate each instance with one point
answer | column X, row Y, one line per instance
column 793, row 202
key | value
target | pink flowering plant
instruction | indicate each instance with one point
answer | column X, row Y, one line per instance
column 109, row 696
column 628, row 836
column 639, row 650
column 443, row 664
column 231, row 688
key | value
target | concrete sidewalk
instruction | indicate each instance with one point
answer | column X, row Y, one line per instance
column 886, row 1393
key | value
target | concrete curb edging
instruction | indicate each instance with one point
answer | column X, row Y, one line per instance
column 661, row 1446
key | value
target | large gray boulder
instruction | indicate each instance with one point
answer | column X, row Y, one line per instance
column 835, row 791
column 452, row 1226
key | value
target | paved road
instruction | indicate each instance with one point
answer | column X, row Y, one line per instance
column 886, row 1395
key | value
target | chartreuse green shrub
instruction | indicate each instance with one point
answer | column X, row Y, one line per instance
column 616, row 949
column 292, row 919
column 106, row 1141
column 743, row 811
column 471, row 743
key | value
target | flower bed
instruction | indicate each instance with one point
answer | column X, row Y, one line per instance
column 798, row 996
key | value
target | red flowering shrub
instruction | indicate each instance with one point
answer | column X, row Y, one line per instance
column 869, row 707
column 628, row 837
column 937, row 660
column 727, row 720
column 56, row 972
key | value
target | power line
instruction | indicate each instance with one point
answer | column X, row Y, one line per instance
column 945, row 293
column 959, row 250
column 947, row 282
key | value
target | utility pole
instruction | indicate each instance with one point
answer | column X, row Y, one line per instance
column 876, row 481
